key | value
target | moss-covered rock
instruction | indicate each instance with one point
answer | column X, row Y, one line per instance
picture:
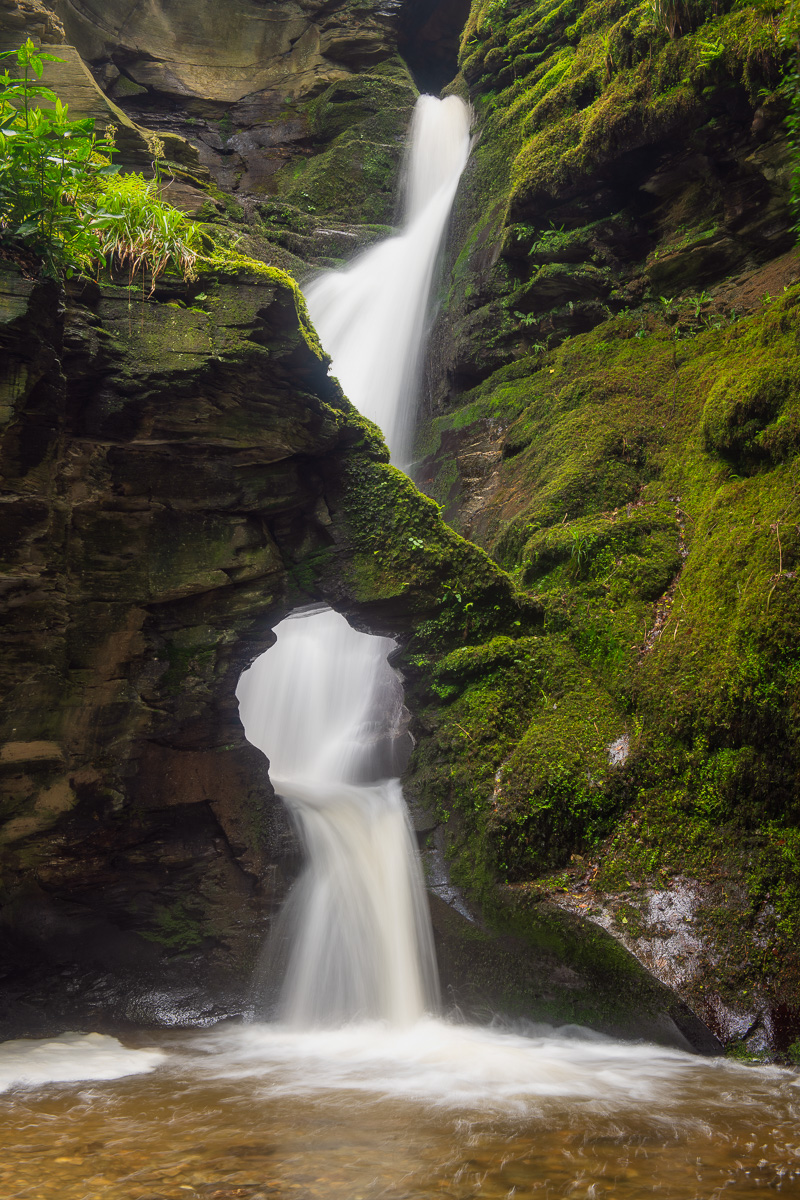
column 648, row 733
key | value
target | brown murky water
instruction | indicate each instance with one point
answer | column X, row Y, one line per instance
column 439, row 1111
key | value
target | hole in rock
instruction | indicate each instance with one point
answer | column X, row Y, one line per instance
column 429, row 38
column 323, row 702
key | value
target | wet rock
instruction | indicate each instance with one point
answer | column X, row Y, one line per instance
column 178, row 476
column 542, row 967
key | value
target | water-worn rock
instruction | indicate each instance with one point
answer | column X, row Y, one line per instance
column 171, row 470
column 541, row 966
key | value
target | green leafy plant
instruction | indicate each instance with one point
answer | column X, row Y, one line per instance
column 697, row 303
column 47, row 166
column 63, row 200
column 709, row 52
column 581, row 549
column 140, row 231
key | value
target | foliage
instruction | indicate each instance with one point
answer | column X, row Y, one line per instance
column 790, row 87
column 659, row 528
column 64, row 201
column 674, row 17
column 140, row 231
column 49, row 166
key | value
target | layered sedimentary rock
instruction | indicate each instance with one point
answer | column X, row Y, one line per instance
column 297, row 82
column 171, row 467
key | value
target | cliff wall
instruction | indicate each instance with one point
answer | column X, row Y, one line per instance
column 168, row 465
column 613, row 414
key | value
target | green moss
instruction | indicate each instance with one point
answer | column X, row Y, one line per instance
column 752, row 410
column 176, row 927
column 570, row 93
column 358, row 125
column 400, row 546
column 740, row 1052
column 637, row 500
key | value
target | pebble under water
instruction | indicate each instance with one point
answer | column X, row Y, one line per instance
column 365, row 1112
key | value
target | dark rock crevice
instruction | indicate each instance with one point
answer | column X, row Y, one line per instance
column 429, row 36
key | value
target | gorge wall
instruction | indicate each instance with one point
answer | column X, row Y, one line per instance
column 604, row 692
column 613, row 414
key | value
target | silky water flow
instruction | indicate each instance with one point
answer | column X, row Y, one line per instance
column 354, row 938
column 358, row 1091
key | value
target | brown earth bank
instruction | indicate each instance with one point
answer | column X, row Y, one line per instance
column 604, row 697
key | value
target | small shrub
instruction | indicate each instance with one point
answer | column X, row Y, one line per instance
column 47, row 166
column 64, row 201
column 140, row 231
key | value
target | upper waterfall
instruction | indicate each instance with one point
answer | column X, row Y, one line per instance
column 371, row 317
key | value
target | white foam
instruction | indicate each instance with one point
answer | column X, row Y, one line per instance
column 71, row 1057
column 457, row 1066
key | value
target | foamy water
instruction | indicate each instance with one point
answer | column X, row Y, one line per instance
column 379, row 1113
column 479, row 1069
column 451, row 1066
column 32, row 1062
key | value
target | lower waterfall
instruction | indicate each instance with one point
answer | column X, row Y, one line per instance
column 354, row 937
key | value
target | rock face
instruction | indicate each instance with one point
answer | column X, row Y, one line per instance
column 294, row 48
column 612, row 416
column 612, row 413
column 168, row 466
column 295, row 79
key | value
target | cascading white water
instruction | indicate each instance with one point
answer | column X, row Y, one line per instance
column 323, row 703
column 372, row 317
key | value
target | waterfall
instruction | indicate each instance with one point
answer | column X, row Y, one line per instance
column 323, row 704
column 371, row 318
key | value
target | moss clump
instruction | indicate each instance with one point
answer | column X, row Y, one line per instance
column 754, row 414
column 402, row 558
column 358, row 126
column 176, row 927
